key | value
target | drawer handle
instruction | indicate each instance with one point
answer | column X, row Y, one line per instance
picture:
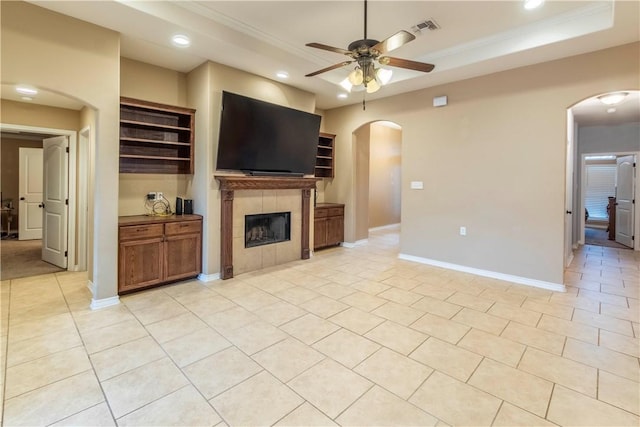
column 184, row 225
column 142, row 229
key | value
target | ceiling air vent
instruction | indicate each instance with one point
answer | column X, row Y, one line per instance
column 428, row 24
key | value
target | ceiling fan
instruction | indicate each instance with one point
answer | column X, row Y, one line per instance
column 366, row 53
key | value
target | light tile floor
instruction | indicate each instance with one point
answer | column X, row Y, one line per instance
column 350, row 337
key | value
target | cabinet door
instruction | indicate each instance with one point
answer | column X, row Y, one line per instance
column 140, row 264
column 319, row 233
column 183, row 257
column 335, row 230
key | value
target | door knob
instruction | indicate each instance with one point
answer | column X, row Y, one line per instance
column 22, row 198
column 569, row 212
column 41, row 205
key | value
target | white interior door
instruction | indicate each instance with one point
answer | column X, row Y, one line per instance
column 55, row 198
column 625, row 173
column 30, row 193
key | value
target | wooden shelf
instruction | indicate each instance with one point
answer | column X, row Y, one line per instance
column 152, row 125
column 325, row 156
column 155, row 138
column 130, row 156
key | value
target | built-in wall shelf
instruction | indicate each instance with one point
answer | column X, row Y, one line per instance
column 155, row 138
column 325, row 156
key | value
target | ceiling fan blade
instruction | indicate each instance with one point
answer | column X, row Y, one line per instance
column 405, row 63
column 329, row 48
column 333, row 67
column 395, row 41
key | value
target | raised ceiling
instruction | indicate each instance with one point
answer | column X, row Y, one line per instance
column 264, row 37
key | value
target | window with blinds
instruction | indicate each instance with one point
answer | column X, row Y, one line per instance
column 600, row 185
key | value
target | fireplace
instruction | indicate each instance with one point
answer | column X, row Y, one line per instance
column 265, row 229
column 260, row 195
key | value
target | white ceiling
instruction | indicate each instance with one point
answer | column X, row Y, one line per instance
column 264, row 37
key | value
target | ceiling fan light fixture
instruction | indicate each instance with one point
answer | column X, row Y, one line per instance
column 384, row 75
column 613, row 98
column 373, row 86
column 356, row 77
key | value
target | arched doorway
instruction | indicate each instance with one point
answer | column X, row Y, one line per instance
column 377, row 176
column 27, row 123
column 606, row 137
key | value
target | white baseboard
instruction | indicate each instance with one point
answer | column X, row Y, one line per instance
column 91, row 286
column 97, row 304
column 208, row 277
column 486, row 273
column 356, row 243
column 385, row 227
column 570, row 260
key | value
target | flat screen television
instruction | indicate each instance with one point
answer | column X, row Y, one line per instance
column 258, row 137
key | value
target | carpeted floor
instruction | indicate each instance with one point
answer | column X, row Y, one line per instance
column 600, row 237
column 23, row 258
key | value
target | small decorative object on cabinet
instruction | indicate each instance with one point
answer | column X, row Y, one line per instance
column 158, row 250
column 328, row 227
column 155, row 138
column 325, row 156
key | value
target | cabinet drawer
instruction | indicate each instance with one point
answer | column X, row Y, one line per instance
column 321, row 213
column 336, row 211
column 186, row 227
column 135, row 232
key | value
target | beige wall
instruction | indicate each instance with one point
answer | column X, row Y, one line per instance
column 384, row 175
column 205, row 86
column 361, row 147
column 156, row 84
column 152, row 83
column 492, row 160
column 27, row 114
column 10, row 168
column 67, row 56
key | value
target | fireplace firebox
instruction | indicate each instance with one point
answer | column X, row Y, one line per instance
column 265, row 229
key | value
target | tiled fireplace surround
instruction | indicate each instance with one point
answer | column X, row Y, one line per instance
column 246, row 195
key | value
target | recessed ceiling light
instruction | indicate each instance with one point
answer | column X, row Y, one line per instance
column 282, row 75
column 342, row 96
column 181, row 40
column 26, row 90
column 611, row 110
column 613, row 98
column 532, row 4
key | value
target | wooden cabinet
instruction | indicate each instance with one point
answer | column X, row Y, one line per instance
column 328, row 227
column 155, row 138
column 158, row 250
column 325, row 156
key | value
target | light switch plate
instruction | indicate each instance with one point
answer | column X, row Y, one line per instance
column 417, row 185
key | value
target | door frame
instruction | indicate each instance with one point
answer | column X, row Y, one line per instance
column 636, row 214
column 72, row 225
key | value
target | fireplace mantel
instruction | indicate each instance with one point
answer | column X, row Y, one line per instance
column 230, row 183
column 236, row 182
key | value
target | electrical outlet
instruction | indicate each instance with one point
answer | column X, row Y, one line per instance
column 151, row 195
column 463, row 231
column 159, row 195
